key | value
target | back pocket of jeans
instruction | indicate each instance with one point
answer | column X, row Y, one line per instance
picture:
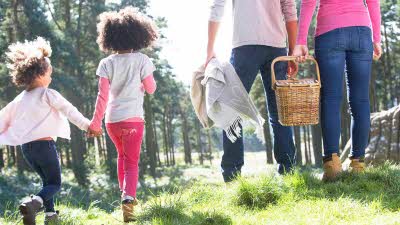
column 365, row 36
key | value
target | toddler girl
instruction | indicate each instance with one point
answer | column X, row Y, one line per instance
column 34, row 119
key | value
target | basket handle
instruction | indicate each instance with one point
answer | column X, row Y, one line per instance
column 290, row 58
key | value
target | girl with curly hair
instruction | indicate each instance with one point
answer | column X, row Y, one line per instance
column 34, row 119
column 124, row 77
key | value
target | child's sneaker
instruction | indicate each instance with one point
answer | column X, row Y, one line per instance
column 357, row 166
column 127, row 209
column 51, row 219
column 332, row 167
column 29, row 208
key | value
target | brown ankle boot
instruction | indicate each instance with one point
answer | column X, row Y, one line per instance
column 127, row 210
column 332, row 167
column 357, row 166
column 28, row 209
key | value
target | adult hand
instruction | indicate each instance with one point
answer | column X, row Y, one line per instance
column 210, row 55
column 301, row 52
column 377, row 51
column 293, row 67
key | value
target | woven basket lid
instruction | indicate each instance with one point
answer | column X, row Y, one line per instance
column 295, row 82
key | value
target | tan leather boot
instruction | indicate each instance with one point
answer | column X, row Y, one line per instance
column 357, row 166
column 332, row 167
column 127, row 210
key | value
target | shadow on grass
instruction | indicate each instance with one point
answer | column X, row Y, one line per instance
column 102, row 193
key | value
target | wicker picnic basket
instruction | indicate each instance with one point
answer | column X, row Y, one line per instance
column 297, row 100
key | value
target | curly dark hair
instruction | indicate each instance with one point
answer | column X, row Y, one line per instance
column 27, row 61
column 125, row 30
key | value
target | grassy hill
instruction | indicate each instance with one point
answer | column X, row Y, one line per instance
column 300, row 198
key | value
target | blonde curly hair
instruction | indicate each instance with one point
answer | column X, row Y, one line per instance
column 27, row 61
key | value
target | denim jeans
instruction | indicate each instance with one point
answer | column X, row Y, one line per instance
column 248, row 60
column 347, row 51
column 42, row 156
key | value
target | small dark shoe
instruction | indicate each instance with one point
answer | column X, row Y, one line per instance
column 52, row 220
column 28, row 209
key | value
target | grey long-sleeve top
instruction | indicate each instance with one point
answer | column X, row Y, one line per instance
column 257, row 22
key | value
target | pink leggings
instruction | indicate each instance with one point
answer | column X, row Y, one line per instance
column 127, row 138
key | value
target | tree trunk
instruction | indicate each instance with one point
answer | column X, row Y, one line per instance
column 307, row 157
column 185, row 136
column 165, row 134
column 317, row 144
column 68, row 156
column 1, row 158
column 345, row 120
column 309, row 144
column 21, row 164
column 150, row 139
column 78, row 157
column 111, row 158
column 157, row 148
column 18, row 35
column 388, row 75
column 199, row 144
column 12, row 156
column 67, row 13
column 210, row 156
column 61, row 154
column 170, row 133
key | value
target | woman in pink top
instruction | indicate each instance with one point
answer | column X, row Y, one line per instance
column 124, row 76
column 347, row 39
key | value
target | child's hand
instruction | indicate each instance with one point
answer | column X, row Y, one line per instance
column 94, row 133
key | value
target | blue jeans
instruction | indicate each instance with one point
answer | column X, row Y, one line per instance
column 347, row 49
column 42, row 156
column 248, row 61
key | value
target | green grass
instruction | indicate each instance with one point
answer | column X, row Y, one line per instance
column 299, row 198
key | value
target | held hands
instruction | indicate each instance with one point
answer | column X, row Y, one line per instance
column 93, row 133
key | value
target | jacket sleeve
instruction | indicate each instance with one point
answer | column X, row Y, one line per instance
column 58, row 102
column 217, row 10
column 5, row 117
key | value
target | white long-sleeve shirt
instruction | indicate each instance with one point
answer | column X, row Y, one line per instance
column 39, row 113
column 258, row 22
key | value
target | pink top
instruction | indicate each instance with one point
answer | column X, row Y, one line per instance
column 333, row 14
column 38, row 113
column 148, row 85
